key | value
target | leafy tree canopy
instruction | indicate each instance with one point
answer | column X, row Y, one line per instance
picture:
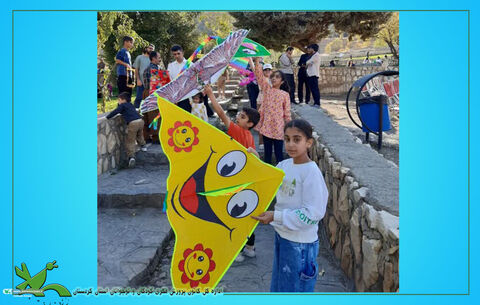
column 276, row 30
column 165, row 29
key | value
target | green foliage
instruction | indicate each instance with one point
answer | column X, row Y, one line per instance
column 165, row 29
column 215, row 23
column 389, row 33
column 111, row 28
column 276, row 30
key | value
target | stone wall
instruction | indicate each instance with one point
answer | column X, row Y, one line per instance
column 363, row 239
column 338, row 80
column 110, row 141
column 361, row 220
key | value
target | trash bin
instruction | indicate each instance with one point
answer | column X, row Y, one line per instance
column 370, row 115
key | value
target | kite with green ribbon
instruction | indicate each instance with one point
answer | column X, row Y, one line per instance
column 249, row 48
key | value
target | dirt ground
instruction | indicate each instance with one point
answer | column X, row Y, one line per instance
column 337, row 110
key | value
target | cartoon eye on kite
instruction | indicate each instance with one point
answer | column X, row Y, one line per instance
column 242, row 204
column 231, row 163
column 248, row 51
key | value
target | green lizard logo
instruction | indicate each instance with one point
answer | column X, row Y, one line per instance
column 36, row 282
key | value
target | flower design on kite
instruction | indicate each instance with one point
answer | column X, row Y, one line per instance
column 183, row 136
column 196, row 265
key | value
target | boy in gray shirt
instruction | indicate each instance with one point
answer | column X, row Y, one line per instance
column 140, row 64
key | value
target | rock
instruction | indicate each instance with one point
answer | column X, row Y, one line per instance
column 344, row 211
column 101, row 144
column 334, row 193
column 105, row 165
column 353, row 185
column 358, row 140
column 107, row 127
column 359, row 285
column 385, row 223
column 392, row 250
column 388, row 277
column 343, row 193
column 336, row 169
column 356, row 235
column 344, row 172
column 346, row 262
column 338, row 245
column 371, row 216
column 360, row 194
column 370, row 248
column 99, row 166
column 111, row 142
column 332, row 227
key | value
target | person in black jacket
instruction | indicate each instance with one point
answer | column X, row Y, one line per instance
column 302, row 78
column 134, row 125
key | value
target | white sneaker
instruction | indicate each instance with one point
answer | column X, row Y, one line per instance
column 249, row 252
column 240, row 258
column 131, row 162
column 143, row 148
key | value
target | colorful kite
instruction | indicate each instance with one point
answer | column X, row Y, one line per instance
column 249, row 48
column 213, row 187
column 241, row 64
column 195, row 53
column 204, row 71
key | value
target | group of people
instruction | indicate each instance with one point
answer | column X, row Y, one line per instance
column 307, row 76
column 302, row 197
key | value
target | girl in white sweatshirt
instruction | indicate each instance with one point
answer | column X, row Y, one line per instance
column 301, row 203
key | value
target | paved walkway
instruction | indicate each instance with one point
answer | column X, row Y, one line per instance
column 254, row 274
column 129, row 244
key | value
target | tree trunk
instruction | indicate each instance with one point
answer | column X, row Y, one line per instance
column 393, row 49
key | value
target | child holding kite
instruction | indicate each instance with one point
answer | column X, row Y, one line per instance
column 274, row 111
column 301, row 204
column 247, row 118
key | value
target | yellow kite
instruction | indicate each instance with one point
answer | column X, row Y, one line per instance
column 213, row 187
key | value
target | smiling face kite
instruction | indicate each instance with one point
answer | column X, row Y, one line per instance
column 213, row 187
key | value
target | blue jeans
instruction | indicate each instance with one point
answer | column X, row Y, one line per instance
column 138, row 98
column 295, row 266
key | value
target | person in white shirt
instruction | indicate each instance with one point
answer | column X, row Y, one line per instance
column 174, row 69
column 301, row 204
column 286, row 63
column 313, row 73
